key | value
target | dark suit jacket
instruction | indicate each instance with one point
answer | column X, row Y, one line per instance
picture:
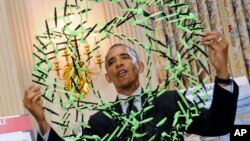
column 211, row 122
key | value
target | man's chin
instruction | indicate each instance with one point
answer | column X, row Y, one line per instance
column 125, row 85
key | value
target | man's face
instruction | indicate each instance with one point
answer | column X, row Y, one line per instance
column 122, row 68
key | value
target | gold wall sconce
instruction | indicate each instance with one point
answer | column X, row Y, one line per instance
column 76, row 74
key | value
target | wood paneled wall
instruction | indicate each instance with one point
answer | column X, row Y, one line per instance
column 10, row 90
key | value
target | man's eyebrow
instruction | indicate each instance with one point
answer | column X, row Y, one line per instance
column 124, row 54
column 110, row 59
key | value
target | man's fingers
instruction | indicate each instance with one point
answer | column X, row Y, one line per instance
column 31, row 91
column 33, row 94
column 214, row 40
column 212, row 36
column 209, row 38
column 208, row 43
column 36, row 97
column 40, row 102
column 32, row 88
column 36, row 88
column 211, row 47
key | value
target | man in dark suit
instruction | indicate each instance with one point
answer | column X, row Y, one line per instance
column 156, row 115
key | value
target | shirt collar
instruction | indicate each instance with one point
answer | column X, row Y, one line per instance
column 136, row 93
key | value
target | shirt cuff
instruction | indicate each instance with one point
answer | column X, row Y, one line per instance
column 45, row 136
column 229, row 88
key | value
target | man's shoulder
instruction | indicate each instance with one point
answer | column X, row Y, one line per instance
column 169, row 94
column 98, row 115
column 164, row 97
column 166, row 101
column 98, row 119
column 104, row 113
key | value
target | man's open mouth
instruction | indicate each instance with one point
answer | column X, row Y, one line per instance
column 121, row 73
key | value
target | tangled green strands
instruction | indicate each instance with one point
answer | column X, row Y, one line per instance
column 136, row 12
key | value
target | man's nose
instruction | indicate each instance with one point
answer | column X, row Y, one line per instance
column 119, row 63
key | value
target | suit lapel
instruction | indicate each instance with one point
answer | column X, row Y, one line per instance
column 117, row 108
column 149, row 127
column 118, row 122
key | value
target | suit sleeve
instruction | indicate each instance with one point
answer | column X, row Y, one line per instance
column 53, row 136
column 219, row 119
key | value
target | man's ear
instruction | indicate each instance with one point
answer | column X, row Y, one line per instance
column 107, row 77
column 141, row 67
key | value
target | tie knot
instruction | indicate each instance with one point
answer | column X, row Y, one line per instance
column 131, row 106
column 131, row 100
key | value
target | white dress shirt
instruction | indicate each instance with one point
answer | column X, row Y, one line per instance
column 137, row 101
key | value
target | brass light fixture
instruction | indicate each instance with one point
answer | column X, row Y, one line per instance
column 77, row 75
